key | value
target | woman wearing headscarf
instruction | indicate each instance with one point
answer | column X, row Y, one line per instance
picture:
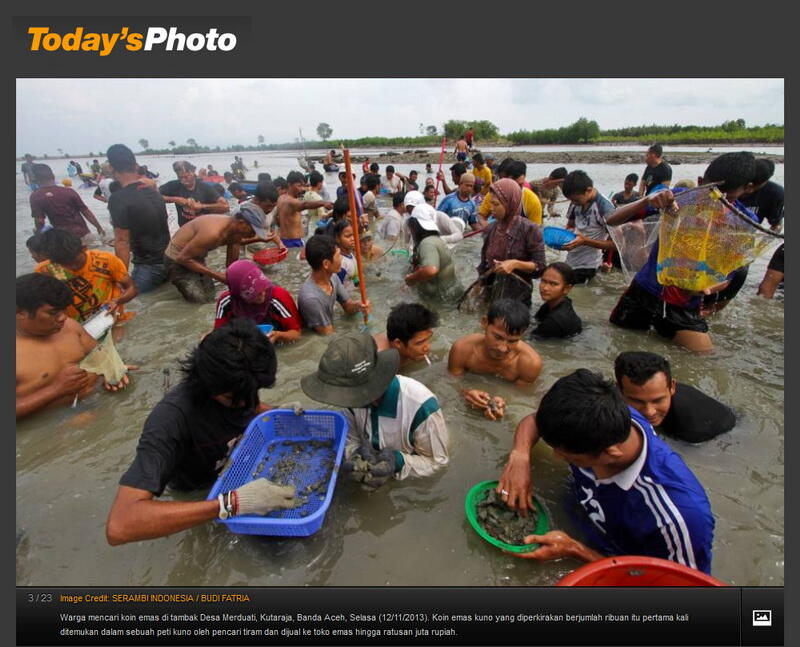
column 251, row 295
column 433, row 271
column 512, row 244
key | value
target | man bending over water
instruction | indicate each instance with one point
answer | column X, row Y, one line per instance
column 639, row 497
column 49, row 346
column 498, row 351
column 189, row 435
column 184, row 258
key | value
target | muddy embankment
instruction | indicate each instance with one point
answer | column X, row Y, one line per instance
column 555, row 157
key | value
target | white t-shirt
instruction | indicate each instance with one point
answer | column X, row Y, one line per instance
column 394, row 185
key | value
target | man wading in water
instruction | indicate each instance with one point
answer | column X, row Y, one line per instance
column 189, row 435
column 498, row 351
column 289, row 207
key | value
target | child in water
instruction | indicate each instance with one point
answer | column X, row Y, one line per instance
column 556, row 317
column 345, row 241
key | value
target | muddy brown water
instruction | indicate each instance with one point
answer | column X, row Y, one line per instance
column 68, row 461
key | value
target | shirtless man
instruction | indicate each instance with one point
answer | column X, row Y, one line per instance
column 499, row 351
column 184, row 258
column 49, row 346
column 461, row 149
column 289, row 207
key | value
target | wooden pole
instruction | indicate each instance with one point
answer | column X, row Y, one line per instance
column 351, row 198
column 441, row 161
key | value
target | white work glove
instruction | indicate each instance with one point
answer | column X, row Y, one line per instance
column 262, row 496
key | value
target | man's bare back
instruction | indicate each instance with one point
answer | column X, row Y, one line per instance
column 203, row 233
column 49, row 365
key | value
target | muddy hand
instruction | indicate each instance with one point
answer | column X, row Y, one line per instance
column 495, row 409
column 477, row 399
column 553, row 545
column 515, row 487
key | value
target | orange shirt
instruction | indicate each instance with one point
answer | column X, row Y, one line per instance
column 96, row 283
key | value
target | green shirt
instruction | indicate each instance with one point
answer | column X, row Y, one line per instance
column 433, row 252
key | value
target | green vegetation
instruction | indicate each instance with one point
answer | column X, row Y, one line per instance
column 582, row 131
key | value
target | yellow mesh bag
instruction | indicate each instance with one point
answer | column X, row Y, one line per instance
column 701, row 241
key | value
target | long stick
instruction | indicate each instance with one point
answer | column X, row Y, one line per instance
column 351, row 197
column 441, row 161
column 749, row 221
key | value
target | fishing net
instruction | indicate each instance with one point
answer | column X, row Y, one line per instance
column 700, row 241
column 104, row 360
column 634, row 240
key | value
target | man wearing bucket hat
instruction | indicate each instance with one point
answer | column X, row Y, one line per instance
column 396, row 427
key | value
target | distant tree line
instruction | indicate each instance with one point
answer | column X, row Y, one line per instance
column 583, row 131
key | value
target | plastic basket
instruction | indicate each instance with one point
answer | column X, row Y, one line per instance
column 556, row 237
column 262, row 446
column 478, row 493
column 634, row 570
column 271, row 255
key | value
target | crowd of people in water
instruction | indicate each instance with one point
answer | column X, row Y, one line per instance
column 638, row 495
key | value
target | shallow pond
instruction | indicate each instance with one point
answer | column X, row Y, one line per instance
column 413, row 532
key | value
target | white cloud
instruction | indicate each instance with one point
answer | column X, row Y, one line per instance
column 89, row 114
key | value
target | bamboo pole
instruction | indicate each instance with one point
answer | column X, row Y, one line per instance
column 441, row 161
column 351, row 197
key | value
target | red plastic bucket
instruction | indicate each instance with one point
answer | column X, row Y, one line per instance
column 270, row 256
column 633, row 570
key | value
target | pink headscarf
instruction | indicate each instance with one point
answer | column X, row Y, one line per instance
column 246, row 282
column 509, row 194
column 497, row 243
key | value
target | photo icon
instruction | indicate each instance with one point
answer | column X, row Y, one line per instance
column 762, row 618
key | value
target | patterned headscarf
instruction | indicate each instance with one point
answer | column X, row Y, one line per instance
column 510, row 195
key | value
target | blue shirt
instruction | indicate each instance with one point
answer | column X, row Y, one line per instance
column 454, row 206
column 341, row 192
column 655, row 507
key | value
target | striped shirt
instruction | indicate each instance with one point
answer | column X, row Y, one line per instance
column 407, row 420
column 655, row 507
column 282, row 312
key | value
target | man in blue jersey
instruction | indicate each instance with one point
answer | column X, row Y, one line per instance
column 638, row 496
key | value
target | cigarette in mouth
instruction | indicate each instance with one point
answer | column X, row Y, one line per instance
column 75, row 401
column 428, row 359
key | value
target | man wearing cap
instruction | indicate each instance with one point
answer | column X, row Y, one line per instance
column 184, row 258
column 459, row 204
column 396, row 425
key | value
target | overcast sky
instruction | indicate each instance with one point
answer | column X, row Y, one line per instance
column 81, row 115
